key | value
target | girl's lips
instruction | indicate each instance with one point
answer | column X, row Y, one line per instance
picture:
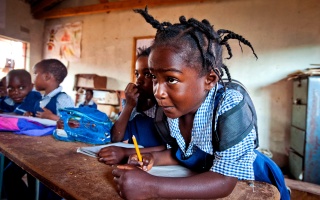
column 167, row 108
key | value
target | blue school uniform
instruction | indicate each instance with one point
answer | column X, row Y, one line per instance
column 54, row 101
column 28, row 103
column 141, row 125
column 7, row 105
column 240, row 161
column 91, row 104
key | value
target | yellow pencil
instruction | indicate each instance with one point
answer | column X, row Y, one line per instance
column 137, row 148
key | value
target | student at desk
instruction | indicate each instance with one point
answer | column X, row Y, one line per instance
column 136, row 117
column 21, row 98
column 48, row 76
column 88, row 100
column 3, row 88
column 186, row 66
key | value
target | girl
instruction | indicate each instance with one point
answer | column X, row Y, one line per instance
column 186, row 65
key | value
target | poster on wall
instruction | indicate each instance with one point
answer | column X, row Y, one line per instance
column 63, row 42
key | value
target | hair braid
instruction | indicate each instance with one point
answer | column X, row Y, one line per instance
column 197, row 42
column 155, row 23
column 232, row 35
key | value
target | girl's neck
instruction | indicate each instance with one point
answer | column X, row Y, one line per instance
column 145, row 104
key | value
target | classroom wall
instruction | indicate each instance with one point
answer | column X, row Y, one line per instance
column 17, row 22
column 285, row 35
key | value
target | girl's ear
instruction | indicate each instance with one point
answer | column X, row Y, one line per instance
column 211, row 80
column 47, row 76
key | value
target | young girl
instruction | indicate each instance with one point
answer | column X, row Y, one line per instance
column 186, row 65
column 137, row 116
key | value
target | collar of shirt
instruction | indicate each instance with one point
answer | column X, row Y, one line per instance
column 9, row 101
column 46, row 98
column 151, row 112
column 91, row 102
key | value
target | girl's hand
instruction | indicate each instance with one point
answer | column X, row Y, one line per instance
column 133, row 183
column 145, row 165
column 132, row 94
column 28, row 113
column 111, row 155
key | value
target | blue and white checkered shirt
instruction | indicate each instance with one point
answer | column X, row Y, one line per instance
column 63, row 100
column 236, row 161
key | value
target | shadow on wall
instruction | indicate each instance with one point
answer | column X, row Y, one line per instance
column 280, row 94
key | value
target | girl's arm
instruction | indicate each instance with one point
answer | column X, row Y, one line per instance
column 137, row 184
column 114, row 155
column 119, row 127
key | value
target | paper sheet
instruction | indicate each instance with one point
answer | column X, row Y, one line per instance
column 93, row 150
column 171, row 171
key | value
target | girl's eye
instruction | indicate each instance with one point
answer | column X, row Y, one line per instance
column 172, row 81
column 147, row 75
column 136, row 75
column 153, row 76
column 21, row 88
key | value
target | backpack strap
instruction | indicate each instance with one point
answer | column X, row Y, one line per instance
column 161, row 124
column 236, row 123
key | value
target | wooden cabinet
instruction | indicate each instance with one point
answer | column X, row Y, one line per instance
column 304, row 156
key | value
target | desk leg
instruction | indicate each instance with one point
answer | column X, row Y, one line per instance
column 1, row 171
column 37, row 189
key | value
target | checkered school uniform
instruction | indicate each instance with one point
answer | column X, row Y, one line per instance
column 236, row 161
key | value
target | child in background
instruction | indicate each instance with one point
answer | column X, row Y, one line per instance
column 48, row 75
column 3, row 91
column 136, row 117
column 186, row 65
column 88, row 100
column 21, row 98
column 3, row 87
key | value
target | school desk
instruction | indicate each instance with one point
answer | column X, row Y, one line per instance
column 76, row 176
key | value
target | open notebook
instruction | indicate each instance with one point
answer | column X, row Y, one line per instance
column 93, row 150
column 164, row 171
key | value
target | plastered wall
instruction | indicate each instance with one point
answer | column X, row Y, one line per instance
column 285, row 35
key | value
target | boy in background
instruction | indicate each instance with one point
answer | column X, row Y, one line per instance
column 88, row 100
column 21, row 98
column 48, row 75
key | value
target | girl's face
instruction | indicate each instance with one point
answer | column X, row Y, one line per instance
column 18, row 88
column 176, row 86
column 143, row 78
column 39, row 79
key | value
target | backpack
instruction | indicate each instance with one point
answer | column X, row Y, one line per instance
column 231, row 127
column 84, row 124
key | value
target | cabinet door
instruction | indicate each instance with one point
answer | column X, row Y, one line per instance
column 297, row 140
column 295, row 165
column 300, row 91
column 299, row 116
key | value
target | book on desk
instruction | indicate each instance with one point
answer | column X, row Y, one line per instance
column 164, row 171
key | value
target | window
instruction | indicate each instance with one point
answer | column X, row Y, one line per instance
column 13, row 55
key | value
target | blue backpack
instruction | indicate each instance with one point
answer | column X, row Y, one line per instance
column 84, row 124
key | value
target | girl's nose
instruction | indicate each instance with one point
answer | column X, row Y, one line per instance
column 159, row 91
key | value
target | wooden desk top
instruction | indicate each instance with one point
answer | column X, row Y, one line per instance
column 76, row 176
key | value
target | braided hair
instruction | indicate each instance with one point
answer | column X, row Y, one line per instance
column 190, row 35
